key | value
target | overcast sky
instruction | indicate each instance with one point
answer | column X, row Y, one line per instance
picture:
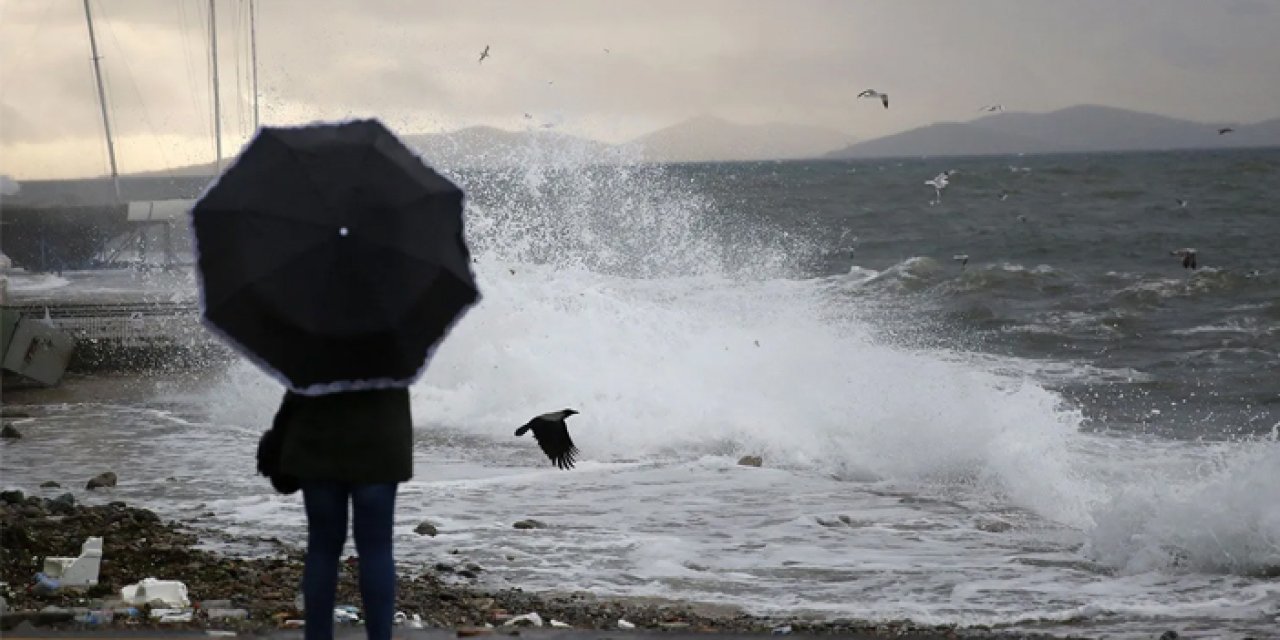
column 414, row 64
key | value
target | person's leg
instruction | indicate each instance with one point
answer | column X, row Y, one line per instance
column 374, row 506
column 326, row 504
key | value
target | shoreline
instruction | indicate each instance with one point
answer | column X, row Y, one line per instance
column 138, row 545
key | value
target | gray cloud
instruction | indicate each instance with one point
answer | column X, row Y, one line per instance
column 749, row 60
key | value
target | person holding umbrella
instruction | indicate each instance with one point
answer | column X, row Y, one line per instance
column 334, row 259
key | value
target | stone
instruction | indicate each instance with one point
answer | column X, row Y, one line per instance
column 105, row 479
column 12, row 497
column 530, row 524
column 1169, row 635
column 64, row 504
column 751, row 461
column 49, row 484
column 11, row 432
column 426, row 529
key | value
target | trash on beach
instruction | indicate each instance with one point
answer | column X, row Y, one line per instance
column 80, row 571
column 557, row 624
column 169, row 593
column 44, row 585
column 623, row 624
column 227, row 614
column 401, row 619
column 532, row 618
column 782, row 631
column 103, row 616
column 172, row 615
column 294, row 623
column 346, row 613
column 218, row 633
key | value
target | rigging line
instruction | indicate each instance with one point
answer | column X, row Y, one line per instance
column 146, row 113
column 183, row 22
column 236, row 32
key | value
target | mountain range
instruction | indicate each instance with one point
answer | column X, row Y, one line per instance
column 1074, row 129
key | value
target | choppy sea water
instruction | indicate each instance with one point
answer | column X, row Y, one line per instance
column 1068, row 433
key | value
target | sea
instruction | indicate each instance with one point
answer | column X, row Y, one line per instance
column 1005, row 403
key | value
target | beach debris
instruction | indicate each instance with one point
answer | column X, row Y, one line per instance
column 346, row 613
column 80, row 571
column 10, row 432
column 624, row 624
column 168, row 616
column 781, row 631
column 750, row 461
column 105, row 479
column 557, row 624
column 44, row 585
column 426, row 529
column 530, row 524
column 293, row 623
column 403, row 620
column 227, row 613
column 220, row 633
column 531, row 618
column 169, row 593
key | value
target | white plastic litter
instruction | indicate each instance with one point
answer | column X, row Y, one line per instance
column 81, row 571
column 557, row 624
column 170, row 593
column 532, row 618
column 623, row 624
column 403, row 620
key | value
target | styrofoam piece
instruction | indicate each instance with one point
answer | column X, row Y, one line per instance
column 170, row 593
column 81, row 571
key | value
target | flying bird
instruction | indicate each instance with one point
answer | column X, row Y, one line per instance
column 1225, row 130
column 484, row 54
column 992, row 107
column 1188, row 256
column 552, row 435
column 940, row 182
column 872, row 93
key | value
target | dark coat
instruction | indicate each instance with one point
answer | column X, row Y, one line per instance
column 357, row 436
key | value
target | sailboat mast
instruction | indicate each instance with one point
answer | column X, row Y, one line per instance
column 102, row 100
column 253, row 53
column 217, row 106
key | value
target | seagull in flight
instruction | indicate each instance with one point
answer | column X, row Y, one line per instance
column 1225, row 130
column 992, row 107
column 484, row 54
column 940, row 182
column 872, row 93
column 552, row 435
column 1188, row 256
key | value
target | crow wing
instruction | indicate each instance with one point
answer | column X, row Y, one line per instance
column 553, row 438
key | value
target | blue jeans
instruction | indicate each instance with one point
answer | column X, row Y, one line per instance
column 326, row 505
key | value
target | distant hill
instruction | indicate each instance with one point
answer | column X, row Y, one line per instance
column 707, row 138
column 949, row 138
column 1079, row 128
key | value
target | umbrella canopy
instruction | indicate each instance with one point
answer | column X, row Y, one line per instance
column 332, row 257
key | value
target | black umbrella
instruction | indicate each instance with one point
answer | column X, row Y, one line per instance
column 333, row 257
